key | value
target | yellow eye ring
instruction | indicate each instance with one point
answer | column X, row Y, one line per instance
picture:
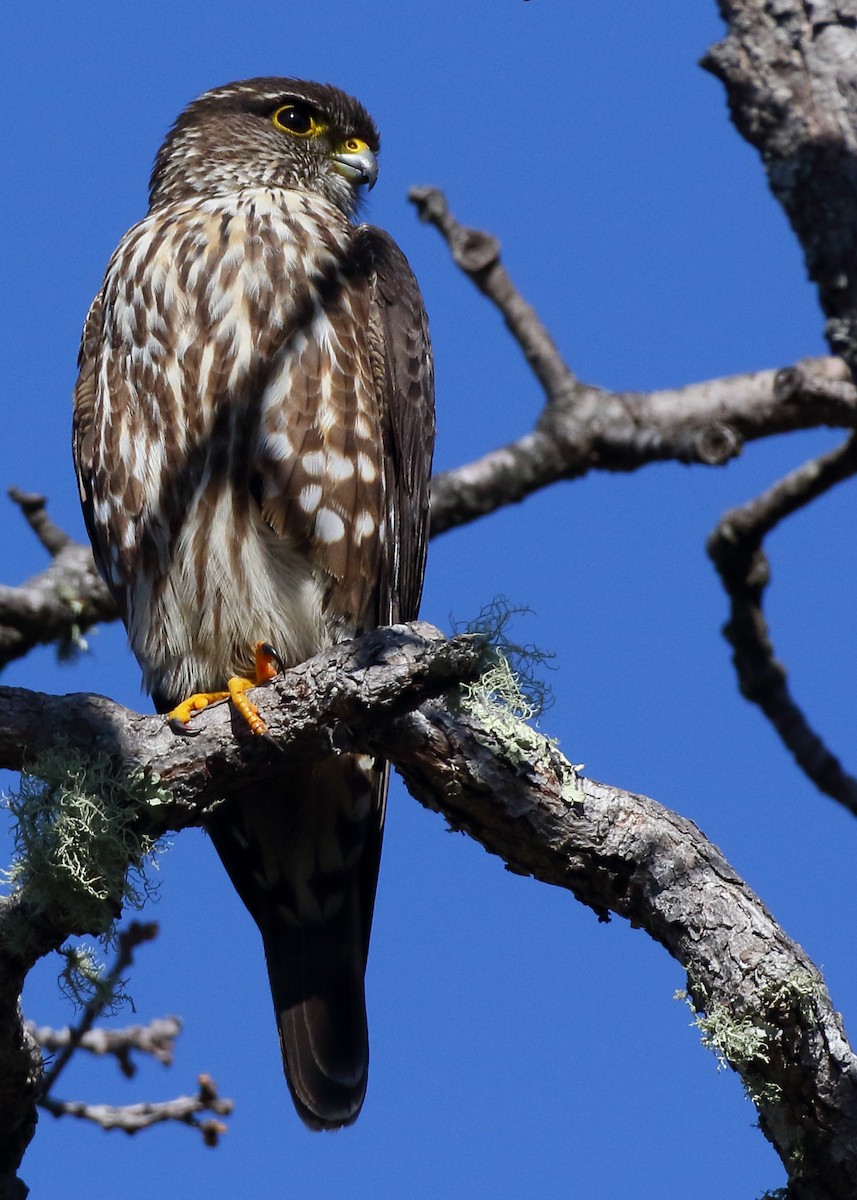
column 297, row 119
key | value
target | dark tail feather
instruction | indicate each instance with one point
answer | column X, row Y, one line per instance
column 316, row 975
column 305, row 862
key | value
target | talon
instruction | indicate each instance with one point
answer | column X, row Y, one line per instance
column 266, row 657
column 181, row 728
column 272, row 742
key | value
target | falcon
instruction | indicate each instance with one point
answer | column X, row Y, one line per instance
column 253, row 432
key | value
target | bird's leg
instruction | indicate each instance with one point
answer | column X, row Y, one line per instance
column 267, row 662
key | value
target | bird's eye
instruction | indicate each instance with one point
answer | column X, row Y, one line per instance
column 298, row 119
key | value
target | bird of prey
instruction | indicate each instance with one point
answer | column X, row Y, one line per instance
column 253, row 432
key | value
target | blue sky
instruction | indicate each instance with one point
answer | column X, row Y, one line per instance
column 517, row 1045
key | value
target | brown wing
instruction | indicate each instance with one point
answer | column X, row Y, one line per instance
column 83, row 429
column 404, row 380
column 403, row 369
column 321, row 452
column 346, row 437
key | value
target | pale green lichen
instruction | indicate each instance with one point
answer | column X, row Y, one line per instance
column 71, row 644
column 507, row 695
column 79, row 850
column 747, row 1042
column 517, row 683
column 500, row 709
column 86, row 981
column 739, row 1042
column 798, row 988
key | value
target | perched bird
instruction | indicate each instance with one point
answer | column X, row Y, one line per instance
column 253, row 432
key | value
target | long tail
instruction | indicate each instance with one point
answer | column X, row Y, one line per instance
column 304, row 860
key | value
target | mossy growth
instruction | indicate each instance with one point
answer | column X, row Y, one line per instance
column 512, row 675
column 88, row 982
column 747, row 1042
column 80, row 853
column 509, row 694
column 739, row 1042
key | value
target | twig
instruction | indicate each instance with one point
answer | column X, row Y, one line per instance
column 735, row 547
column 478, row 255
column 59, row 604
column 156, row 1039
column 131, row 1118
column 33, row 507
column 129, row 939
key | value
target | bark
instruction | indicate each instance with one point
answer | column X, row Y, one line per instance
column 59, row 604
column 764, row 1006
column 762, row 1003
column 790, row 71
column 735, row 548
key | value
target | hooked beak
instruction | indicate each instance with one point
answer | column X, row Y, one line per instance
column 356, row 163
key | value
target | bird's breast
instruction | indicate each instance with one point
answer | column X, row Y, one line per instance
column 227, row 393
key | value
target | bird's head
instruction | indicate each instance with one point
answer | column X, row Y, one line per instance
column 278, row 133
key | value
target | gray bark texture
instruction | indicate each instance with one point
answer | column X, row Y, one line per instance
column 790, row 72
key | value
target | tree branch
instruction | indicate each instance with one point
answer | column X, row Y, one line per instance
column 156, row 1039
column 584, row 428
column 129, row 939
column 131, row 1118
column 59, row 604
column 762, row 1002
column 735, row 547
column 319, row 707
column 478, row 255
column 763, row 1005
column 33, row 508
column 790, row 72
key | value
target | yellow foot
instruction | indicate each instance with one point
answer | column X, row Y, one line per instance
column 179, row 716
column 238, row 689
column 266, row 664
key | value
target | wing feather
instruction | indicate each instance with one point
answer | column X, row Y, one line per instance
column 404, row 380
